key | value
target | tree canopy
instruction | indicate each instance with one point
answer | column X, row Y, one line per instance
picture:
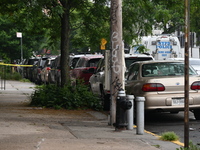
column 79, row 25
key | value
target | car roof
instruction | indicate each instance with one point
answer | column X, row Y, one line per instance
column 137, row 55
column 92, row 56
column 182, row 58
column 158, row 61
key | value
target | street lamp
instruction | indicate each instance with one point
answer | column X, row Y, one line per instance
column 19, row 35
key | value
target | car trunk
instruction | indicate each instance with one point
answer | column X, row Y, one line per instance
column 174, row 85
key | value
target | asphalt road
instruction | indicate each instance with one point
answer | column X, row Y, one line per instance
column 158, row 123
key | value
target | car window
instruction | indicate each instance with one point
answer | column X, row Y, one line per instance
column 164, row 69
column 74, row 61
column 80, row 63
column 133, row 72
column 100, row 65
column 93, row 62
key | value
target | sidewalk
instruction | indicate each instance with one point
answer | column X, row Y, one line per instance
column 27, row 128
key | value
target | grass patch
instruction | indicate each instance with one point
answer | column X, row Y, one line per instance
column 24, row 80
column 191, row 147
column 169, row 136
column 157, row 146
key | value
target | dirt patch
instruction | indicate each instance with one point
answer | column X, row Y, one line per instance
column 75, row 114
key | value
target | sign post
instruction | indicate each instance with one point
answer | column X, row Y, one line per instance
column 19, row 35
column 187, row 39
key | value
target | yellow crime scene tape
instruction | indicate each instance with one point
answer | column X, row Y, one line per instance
column 14, row 65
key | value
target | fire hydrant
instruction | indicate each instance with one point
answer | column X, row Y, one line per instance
column 121, row 111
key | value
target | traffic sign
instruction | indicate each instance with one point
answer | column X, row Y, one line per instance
column 103, row 44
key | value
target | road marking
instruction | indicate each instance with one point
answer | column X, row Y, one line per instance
column 175, row 142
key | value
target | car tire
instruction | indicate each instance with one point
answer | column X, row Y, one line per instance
column 197, row 114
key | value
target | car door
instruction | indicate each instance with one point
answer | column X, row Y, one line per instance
column 97, row 79
column 132, row 78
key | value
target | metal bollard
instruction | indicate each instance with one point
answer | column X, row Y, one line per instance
column 140, row 114
column 130, row 113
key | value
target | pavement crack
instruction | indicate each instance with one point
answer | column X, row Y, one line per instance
column 70, row 130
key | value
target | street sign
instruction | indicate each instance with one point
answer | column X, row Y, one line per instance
column 19, row 35
column 103, row 44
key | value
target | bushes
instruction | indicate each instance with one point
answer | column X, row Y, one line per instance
column 68, row 97
column 8, row 73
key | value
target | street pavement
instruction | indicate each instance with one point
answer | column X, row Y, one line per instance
column 23, row 127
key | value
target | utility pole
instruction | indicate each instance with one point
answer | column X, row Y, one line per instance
column 187, row 40
column 117, row 70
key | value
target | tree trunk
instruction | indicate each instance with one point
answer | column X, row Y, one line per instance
column 65, row 34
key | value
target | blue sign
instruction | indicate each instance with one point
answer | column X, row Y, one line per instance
column 163, row 45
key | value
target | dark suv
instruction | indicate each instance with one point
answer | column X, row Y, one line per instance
column 28, row 71
column 85, row 68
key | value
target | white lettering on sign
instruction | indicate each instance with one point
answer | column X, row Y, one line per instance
column 164, row 45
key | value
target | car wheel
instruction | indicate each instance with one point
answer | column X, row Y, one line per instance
column 197, row 114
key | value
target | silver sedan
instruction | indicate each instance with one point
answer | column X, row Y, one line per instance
column 161, row 83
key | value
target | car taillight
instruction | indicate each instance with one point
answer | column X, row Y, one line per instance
column 48, row 68
column 195, row 85
column 149, row 87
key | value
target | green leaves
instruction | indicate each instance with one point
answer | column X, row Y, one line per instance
column 68, row 97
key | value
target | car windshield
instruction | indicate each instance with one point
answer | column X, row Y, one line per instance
column 130, row 60
column 165, row 69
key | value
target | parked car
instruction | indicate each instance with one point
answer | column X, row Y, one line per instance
column 97, row 80
column 55, row 68
column 37, row 70
column 161, row 83
column 46, row 69
column 28, row 71
column 194, row 62
column 74, row 59
column 85, row 68
column 55, row 72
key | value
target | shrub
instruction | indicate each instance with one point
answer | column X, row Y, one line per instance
column 68, row 97
column 11, row 76
column 7, row 73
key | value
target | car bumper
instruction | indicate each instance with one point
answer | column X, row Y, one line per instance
column 171, row 102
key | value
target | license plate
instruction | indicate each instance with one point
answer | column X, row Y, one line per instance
column 178, row 101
